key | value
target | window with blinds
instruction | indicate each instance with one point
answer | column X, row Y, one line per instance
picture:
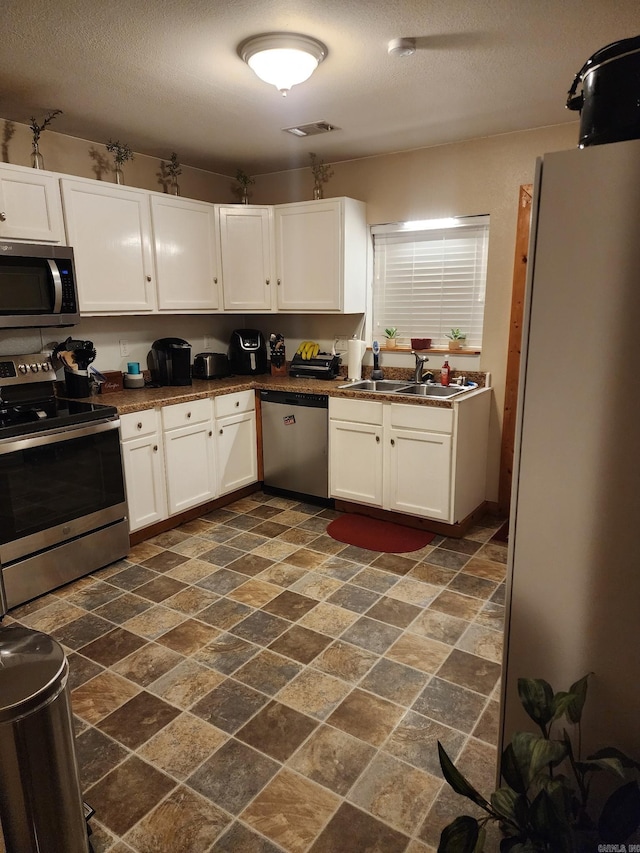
column 429, row 278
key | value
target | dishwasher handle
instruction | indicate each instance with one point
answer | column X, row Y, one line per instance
column 296, row 398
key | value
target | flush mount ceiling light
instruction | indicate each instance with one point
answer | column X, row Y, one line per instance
column 283, row 59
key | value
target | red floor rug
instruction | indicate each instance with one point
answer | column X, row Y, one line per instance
column 377, row 535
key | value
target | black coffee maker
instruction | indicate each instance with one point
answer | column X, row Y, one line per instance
column 169, row 362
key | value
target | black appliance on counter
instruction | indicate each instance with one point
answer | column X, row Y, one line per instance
column 169, row 362
column 247, row 352
column 210, row 365
column 63, row 510
column 323, row 366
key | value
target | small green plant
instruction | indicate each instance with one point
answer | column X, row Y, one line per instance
column 320, row 170
column 244, row 180
column 544, row 805
column 391, row 332
column 37, row 129
column 120, row 150
column 457, row 335
column 173, row 166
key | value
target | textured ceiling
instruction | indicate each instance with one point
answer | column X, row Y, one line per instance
column 165, row 76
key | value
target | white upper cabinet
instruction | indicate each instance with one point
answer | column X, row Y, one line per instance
column 246, row 254
column 109, row 228
column 30, row 207
column 186, row 254
column 321, row 256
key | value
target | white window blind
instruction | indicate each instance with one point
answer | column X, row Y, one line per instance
column 430, row 277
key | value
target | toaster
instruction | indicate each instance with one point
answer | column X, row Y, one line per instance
column 210, row 365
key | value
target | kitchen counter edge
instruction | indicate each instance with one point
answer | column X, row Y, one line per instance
column 136, row 400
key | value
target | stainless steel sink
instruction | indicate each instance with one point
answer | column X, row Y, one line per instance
column 434, row 390
column 401, row 388
column 385, row 386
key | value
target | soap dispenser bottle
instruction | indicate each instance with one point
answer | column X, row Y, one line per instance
column 376, row 373
column 445, row 372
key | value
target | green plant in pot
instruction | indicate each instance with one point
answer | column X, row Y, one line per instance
column 547, row 804
column 456, row 339
column 391, row 334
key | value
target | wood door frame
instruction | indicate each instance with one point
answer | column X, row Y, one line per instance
column 515, row 345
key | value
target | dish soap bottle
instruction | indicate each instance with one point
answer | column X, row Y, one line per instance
column 444, row 372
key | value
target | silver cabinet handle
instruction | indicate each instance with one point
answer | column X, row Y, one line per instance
column 268, row 282
column 393, row 444
column 155, row 448
column 278, row 280
column 188, row 414
column 210, row 432
column 148, row 278
column 215, row 280
column 221, row 432
column 139, row 425
column 3, row 216
column 378, row 439
column 237, row 403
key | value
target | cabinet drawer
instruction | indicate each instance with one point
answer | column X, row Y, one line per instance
column 422, row 417
column 184, row 414
column 357, row 411
column 137, row 424
column 232, row 404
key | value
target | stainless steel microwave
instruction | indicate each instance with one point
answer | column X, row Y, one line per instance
column 37, row 286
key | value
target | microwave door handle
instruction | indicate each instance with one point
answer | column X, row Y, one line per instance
column 57, row 286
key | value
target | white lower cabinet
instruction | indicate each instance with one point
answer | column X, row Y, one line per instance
column 143, row 468
column 189, row 454
column 418, row 460
column 186, row 454
column 236, row 441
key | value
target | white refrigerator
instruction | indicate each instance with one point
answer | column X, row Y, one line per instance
column 573, row 592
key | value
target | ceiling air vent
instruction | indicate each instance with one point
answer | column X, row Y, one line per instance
column 312, row 129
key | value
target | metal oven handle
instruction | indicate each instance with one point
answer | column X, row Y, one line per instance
column 55, row 436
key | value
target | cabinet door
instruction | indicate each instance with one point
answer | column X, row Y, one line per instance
column 30, row 206
column 245, row 239
column 236, row 452
column 185, row 246
column 110, row 231
column 355, row 462
column 145, row 481
column 309, row 256
column 190, row 466
column 418, row 473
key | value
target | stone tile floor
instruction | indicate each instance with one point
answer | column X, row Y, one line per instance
column 246, row 684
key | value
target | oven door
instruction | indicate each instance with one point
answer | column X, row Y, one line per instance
column 58, row 485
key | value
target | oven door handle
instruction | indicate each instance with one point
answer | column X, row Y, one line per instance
column 55, row 436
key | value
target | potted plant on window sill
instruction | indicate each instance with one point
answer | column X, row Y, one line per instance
column 391, row 335
column 457, row 339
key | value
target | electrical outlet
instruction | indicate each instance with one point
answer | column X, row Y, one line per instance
column 124, row 349
column 208, row 342
column 341, row 343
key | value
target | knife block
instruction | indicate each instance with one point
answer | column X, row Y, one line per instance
column 279, row 369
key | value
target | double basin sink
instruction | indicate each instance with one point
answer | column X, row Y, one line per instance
column 410, row 389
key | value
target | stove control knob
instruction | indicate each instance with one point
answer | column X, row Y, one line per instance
column 34, row 368
column 22, row 368
column 45, row 366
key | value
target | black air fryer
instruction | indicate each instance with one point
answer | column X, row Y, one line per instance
column 609, row 103
column 169, row 361
column 247, row 352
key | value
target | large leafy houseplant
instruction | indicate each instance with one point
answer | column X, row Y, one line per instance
column 546, row 804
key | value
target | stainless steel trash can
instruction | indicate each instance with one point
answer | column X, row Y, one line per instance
column 41, row 808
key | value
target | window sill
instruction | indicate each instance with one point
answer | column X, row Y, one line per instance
column 436, row 350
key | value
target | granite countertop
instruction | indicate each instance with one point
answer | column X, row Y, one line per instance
column 135, row 400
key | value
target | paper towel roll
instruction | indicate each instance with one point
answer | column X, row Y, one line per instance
column 355, row 351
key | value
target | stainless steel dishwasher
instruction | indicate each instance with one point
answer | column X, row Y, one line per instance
column 295, row 439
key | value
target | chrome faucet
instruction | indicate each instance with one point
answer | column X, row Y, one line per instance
column 421, row 360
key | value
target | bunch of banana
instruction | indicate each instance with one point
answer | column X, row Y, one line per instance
column 307, row 350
